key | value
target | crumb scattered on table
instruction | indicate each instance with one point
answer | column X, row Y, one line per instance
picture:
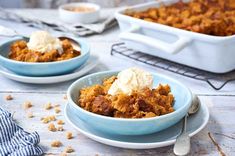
column 51, row 127
column 48, row 106
column 60, row 122
column 8, row 97
column 65, row 97
column 48, row 119
column 69, row 149
column 69, row 135
column 60, row 128
column 45, row 120
column 57, row 110
column 27, row 105
column 56, row 143
column 52, row 117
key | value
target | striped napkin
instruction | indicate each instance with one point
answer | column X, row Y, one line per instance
column 14, row 141
column 49, row 19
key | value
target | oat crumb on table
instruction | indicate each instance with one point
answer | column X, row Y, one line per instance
column 56, row 143
column 30, row 115
column 27, row 105
column 48, row 106
column 52, row 117
column 8, row 97
column 57, row 110
column 45, row 120
column 60, row 122
column 69, row 149
column 48, row 119
column 65, row 97
column 69, row 135
column 51, row 127
column 60, row 128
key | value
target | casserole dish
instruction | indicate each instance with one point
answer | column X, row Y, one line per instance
column 206, row 52
column 42, row 68
column 124, row 126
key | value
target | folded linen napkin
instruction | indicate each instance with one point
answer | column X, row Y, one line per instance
column 14, row 141
column 49, row 19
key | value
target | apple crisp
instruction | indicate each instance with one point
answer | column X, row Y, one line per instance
column 20, row 52
column 140, row 104
column 212, row 17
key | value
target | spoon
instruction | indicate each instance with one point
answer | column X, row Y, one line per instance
column 182, row 144
column 7, row 32
column 74, row 43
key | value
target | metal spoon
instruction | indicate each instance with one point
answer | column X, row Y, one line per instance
column 182, row 144
column 7, row 32
column 74, row 43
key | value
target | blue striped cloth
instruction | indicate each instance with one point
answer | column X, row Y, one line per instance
column 14, row 141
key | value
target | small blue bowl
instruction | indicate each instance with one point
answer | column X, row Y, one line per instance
column 122, row 126
column 42, row 68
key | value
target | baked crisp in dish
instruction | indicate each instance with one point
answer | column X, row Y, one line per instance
column 212, row 17
column 142, row 103
column 42, row 47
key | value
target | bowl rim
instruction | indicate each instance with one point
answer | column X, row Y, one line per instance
column 70, row 101
column 85, row 47
column 95, row 6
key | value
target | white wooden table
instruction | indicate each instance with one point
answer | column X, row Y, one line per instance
column 221, row 104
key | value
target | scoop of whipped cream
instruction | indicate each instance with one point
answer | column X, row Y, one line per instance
column 130, row 80
column 42, row 41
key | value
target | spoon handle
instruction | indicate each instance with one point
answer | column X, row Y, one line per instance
column 182, row 144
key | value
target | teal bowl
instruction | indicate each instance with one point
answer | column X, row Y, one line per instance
column 42, row 68
column 122, row 126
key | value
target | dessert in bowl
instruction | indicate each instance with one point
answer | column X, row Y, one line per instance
column 126, row 103
column 43, row 55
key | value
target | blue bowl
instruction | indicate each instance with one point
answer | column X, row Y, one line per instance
column 42, row 68
column 122, row 126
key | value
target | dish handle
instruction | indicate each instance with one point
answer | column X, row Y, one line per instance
column 171, row 48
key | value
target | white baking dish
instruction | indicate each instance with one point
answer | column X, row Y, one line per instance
column 211, row 53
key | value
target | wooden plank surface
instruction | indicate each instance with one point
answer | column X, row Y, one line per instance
column 221, row 126
column 221, row 105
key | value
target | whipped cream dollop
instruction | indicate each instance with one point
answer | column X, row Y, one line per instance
column 130, row 80
column 42, row 41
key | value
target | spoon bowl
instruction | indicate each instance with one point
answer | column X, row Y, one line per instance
column 74, row 43
column 195, row 105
